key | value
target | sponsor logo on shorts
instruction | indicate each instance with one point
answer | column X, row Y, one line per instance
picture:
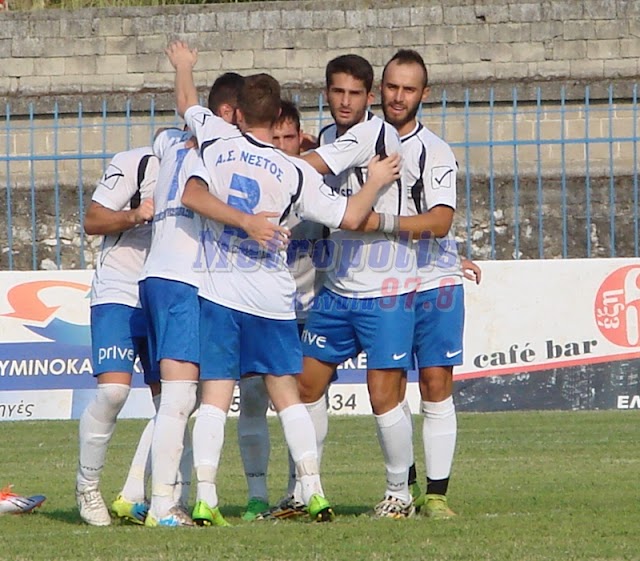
column 319, row 341
column 115, row 353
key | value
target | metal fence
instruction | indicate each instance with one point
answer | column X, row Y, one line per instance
column 538, row 178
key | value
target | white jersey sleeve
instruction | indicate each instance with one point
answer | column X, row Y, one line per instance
column 317, row 201
column 130, row 177
column 207, row 126
column 353, row 149
column 440, row 187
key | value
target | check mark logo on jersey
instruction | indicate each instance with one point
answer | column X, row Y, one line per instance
column 452, row 354
column 202, row 118
column 398, row 357
column 440, row 180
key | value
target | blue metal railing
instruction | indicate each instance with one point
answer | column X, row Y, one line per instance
column 537, row 178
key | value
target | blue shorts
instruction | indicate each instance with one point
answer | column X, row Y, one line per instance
column 437, row 340
column 234, row 343
column 172, row 310
column 118, row 336
column 338, row 328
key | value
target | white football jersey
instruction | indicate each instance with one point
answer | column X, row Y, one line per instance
column 368, row 265
column 130, row 177
column 429, row 173
column 206, row 126
column 174, row 244
column 253, row 176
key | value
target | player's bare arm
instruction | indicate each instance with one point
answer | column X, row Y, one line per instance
column 183, row 59
column 437, row 221
column 316, row 162
column 471, row 271
column 380, row 173
column 103, row 221
column 196, row 196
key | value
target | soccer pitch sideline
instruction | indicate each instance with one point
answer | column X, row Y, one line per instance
column 527, row 486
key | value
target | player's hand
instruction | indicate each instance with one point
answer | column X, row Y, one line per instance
column 471, row 271
column 309, row 142
column 144, row 212
column 383, row 172
column 269, row 235
column 180, row 54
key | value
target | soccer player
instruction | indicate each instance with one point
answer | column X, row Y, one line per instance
column 120, row 210
column 254, row 401
column 248, row 322
column 365, row 303
column 170, row 286
column 11, row 503
column 430, row 170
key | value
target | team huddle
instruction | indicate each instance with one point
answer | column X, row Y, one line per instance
column 231, row 256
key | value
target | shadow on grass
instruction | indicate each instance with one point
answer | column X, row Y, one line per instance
column 71, row 516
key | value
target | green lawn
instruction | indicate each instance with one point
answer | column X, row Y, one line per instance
column 527, row 486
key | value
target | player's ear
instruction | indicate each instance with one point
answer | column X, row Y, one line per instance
column 371, row 97
column 425, row 93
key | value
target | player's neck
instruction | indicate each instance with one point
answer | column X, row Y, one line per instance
column 407, row 128
column 264, row 134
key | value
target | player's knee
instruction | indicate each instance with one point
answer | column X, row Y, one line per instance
column 112, row 396
column 383, row 402
column 254, row 399
column 435, row 384
column 178, row 398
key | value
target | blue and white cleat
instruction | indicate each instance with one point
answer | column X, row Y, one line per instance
column 11, row 503
column 175, row 518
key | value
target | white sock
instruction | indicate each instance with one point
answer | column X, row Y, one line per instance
column 253, row 435
column 134, row 486
column 439, row 431
column 96, row 428
column 182, row 491
column 177, row 401
column 407, row 412
column 320, row 418
column 394, row 435
column 208, row 438
column 299, row 434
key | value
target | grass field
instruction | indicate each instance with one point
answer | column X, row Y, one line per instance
column 527, row 487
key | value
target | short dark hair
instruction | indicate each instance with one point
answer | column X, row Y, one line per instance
column 353, row 65
column 409, row 56
column 289, row 112
column 225, row 89
column 259, row 100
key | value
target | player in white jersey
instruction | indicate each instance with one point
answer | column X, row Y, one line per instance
column 366, row 301
column 430, row 177
column 254, row 400
column 169, row 289
column 120, row 208
column 248, row 322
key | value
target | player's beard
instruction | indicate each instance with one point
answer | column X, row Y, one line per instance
column 346, row 122
column 398, row 121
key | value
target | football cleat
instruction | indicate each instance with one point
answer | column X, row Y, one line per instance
column 10, row 503
column 92, row 507
column 255, row 506
column 319, row 509
column 392, row 507
column 176, row 517
column 204, row 515
column 288, row 507
column 436, row 506
column 128, row 511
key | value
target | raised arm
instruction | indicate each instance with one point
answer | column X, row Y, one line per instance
column 183, row 59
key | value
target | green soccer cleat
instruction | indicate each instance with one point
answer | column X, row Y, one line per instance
column 204, row 515
column 135, row 513
column 319, row 509
column 255, row 507
column 417, row 496
column 435, row 506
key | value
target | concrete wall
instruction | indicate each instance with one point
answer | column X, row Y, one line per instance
column 120, row 49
